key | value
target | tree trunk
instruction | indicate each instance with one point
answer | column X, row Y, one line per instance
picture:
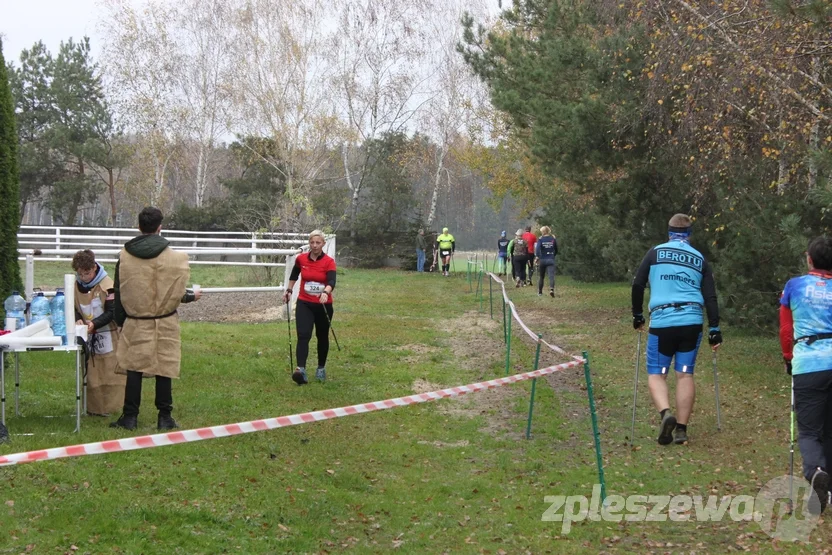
column 159, row 180
column 814, row 133
column 436, row 181
column 201, row 175
column 111, row 185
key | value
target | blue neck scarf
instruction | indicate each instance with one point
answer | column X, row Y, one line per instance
column 676, row 236
column 102, row 273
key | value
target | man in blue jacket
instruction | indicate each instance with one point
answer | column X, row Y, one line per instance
column 502, row 253
column 681, row 286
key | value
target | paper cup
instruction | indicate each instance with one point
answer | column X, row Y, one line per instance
column 11, row 324
column 82, row 331
column 196, row 287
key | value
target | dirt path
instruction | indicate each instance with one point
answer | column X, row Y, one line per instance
column 234, row 308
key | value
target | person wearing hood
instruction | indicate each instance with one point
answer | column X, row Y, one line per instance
column 95, row 308
column 502, row 253
column 149, row 285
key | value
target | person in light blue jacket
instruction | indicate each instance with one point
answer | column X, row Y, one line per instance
column 682, row 288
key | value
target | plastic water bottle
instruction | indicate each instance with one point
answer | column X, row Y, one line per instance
column 58, row 316
column 15, row 306
column 41, row 309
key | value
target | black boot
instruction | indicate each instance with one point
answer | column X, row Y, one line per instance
column 126, row 422
column 166, row 422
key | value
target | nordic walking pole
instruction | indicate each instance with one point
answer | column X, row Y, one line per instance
column 635, row 388
column 328, row 319
column 716, row 393
column 791, row 454
column 289, row 328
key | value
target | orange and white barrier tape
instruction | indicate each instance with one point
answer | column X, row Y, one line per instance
column 523, row 325
column 187, row 436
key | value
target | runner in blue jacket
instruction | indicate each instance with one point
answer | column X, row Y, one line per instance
column 806, row 341
column 681, row 289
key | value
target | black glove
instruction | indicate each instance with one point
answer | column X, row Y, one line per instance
column 788, row 364
column 638, row 321
column 714, row 337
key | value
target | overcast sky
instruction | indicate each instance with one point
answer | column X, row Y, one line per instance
column 24, row 22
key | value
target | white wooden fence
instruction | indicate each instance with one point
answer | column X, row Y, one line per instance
column 55, row 243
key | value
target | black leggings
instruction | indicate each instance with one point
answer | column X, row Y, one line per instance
column 308, row 314
column 520, row 267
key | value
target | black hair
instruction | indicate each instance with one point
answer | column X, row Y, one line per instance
column 150, row 218
column 820, row 250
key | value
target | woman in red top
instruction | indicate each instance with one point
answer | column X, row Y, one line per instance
column 314, row 307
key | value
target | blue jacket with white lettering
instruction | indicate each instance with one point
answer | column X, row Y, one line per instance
column 681, row 283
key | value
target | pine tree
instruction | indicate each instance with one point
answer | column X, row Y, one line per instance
column 9, row 188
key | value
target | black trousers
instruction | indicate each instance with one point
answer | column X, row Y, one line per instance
column 520, row 263
column 813, row 404
column 309, row 315
column 546, row 268
column 133, row 394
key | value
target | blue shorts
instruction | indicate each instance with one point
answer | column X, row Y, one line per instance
column 678, row 342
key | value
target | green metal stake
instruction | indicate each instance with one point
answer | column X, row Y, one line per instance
column 508, row 343
column 479, row 287
column 469, row 276
column 505, row 335
column 595, row 432
column 534, row 385
column 491, row 298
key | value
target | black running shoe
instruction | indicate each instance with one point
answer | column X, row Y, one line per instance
column 820, row 485
column 126, row 422
column 680, row 437
column 166, row 422
column 667, row 427
column 552, row 292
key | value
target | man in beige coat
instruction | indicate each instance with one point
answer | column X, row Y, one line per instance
column 150, row 281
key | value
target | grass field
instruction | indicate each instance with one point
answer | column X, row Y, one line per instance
column 453, row 476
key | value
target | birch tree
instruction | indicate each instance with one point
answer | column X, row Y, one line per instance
column 457, row 94
column 140, row 59
column 281, row 90
column 204, row 30
column 381, row 77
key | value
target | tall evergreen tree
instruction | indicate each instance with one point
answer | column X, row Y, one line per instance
column 9, row 188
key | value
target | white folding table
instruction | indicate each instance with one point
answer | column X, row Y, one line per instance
column 79, row 376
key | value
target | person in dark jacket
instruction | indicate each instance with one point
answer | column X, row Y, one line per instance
column 502, row 253
column 545, row 249
column 421, row 245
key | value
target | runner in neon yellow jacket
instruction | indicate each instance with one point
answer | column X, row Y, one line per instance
column 446, row 246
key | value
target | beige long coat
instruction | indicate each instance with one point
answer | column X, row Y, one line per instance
column 105, row 388
column 149, row 289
